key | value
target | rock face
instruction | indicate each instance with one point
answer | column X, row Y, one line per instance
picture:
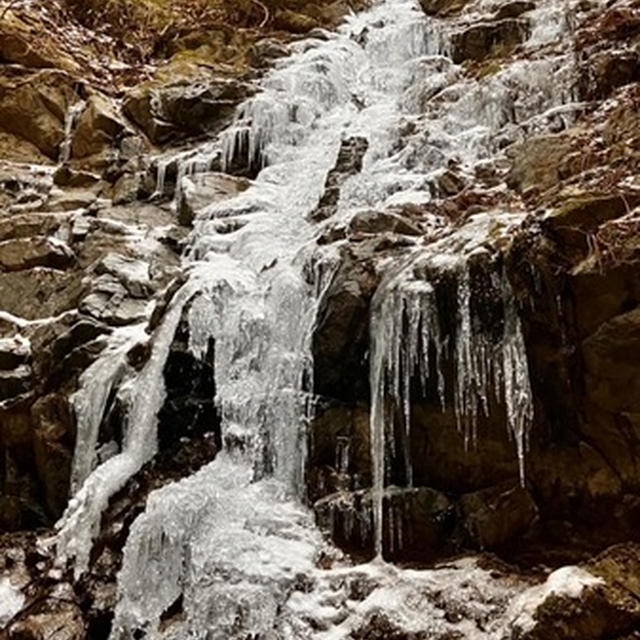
column 188, row 104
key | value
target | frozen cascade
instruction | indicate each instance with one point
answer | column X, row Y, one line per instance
column 407, row 327
column 81, row 520
column 230, row 541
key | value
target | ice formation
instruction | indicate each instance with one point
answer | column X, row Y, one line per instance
column 233, row 543
column 11, row 601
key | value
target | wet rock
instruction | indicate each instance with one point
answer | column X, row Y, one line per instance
column 15, row 382
column 40, row 251
column 488, row 39
column 14, row 351
column 97, row 128
column 608, row 70
column 53, row 449
column 109, row 302
column 495, row 516
column 127, row 189
column 207, row 189
column 341, row 339
column 131, row 273
column 582, row 213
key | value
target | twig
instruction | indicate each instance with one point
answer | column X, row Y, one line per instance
column 267, row 15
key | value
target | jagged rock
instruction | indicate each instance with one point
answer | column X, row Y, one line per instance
column 611, row 356
column 40, row 251
column 341, row 338
column 53, row 447
column 39, row 293
column 187, row 104
column 487, row 39
column 492, row 517
column 582, row 213
column 132, row 274
column 15, row 382
column 450, row 183
column 97, row 128
column 34, row 106
column 205, row 189
column 109, row 302
column 349, row 162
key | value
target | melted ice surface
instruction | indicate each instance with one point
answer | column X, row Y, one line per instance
column 233, row 543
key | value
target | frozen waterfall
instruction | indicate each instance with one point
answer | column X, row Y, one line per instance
column 233, row 541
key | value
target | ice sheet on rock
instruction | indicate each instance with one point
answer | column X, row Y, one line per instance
column 11, row 601
column 89, row 402
column 233, row 547
column 80, row 522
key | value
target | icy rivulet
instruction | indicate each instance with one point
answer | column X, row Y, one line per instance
column 233, row 542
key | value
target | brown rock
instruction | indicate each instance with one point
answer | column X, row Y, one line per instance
column 40, row 251
column 537, row 162
column 97, row 128
column 34, row 106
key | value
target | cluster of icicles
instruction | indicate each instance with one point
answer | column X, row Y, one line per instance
column 234, row 536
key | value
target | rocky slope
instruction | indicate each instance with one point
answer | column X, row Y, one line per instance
column 90, row 251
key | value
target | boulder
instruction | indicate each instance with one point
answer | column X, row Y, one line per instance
column 33, row 106
column 493, row 517
column 537, row 162
column 40, row 251
column 184, row 101
column 205, row 189
column 486, row 39
column 97, row 128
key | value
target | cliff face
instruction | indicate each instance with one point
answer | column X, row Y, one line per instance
column 480, row 324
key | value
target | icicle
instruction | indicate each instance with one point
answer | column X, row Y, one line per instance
column 69, row 124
